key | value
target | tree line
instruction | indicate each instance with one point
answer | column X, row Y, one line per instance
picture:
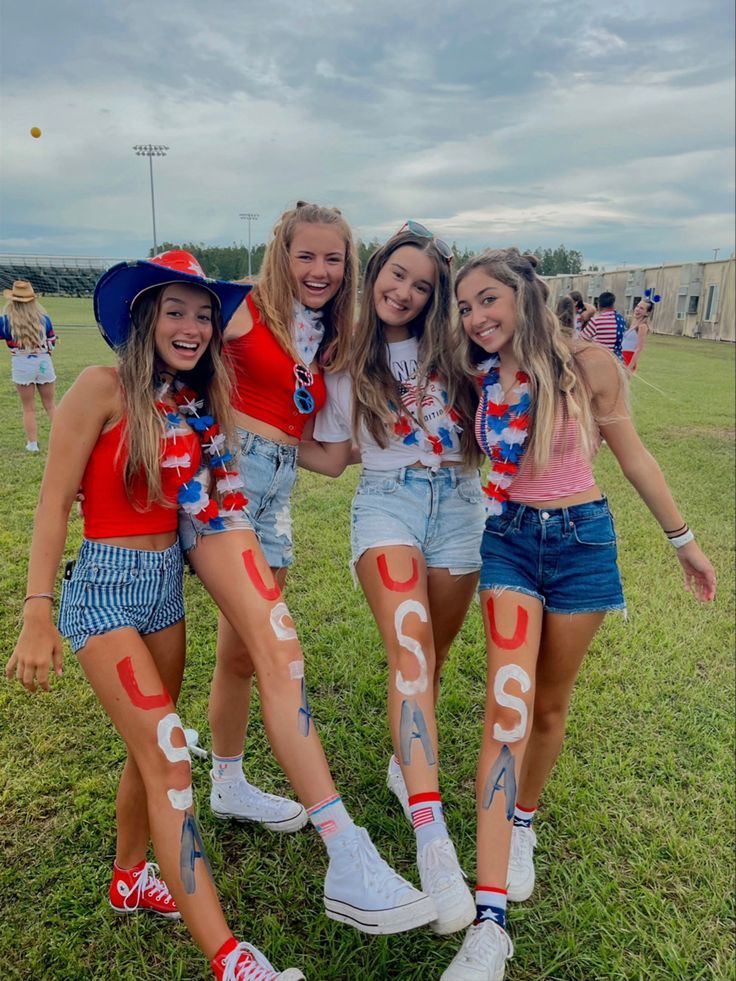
column 231, row 261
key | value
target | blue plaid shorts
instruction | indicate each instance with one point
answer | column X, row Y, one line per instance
column 112, row 587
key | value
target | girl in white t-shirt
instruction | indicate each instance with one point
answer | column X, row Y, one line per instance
column 417, row 515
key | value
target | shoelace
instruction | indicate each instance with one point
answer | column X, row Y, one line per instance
column 271, row 804
column 377, row 874
column 440, row 864
column 482, row 941
column 522, row 844
column 148, row 883
column 255, row 968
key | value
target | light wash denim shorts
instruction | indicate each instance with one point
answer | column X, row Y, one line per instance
column 440, row 512
column 269, row 472
column 32, row 369
column 112, row 587
column 565, row 557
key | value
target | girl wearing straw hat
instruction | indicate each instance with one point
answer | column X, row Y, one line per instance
column 27, row 330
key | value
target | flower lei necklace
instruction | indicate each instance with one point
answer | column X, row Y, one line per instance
column 503, row 431
column 412, row 433
column 192, row 496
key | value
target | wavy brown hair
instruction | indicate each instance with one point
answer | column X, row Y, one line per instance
column 26, row 324
column 553, row 361
column 138, row 371
column 275, row 290
column 366, row 358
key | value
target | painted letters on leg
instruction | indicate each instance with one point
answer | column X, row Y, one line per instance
column 519, row 635
column 128, row 680
column 191, row 849
column 282, row 630
column 511, row 701
column 504, row 769
column 305, row 713
column 267, row 592
column 392, row 584
column 420, row 683
column 412, row 726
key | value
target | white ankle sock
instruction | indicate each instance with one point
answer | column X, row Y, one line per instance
column 331, row 820
column 227, row 768
column 427, row 818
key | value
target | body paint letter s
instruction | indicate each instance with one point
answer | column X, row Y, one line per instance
column 511, row 701
column 419, row 684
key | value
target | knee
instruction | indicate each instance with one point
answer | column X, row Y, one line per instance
column 550, row 719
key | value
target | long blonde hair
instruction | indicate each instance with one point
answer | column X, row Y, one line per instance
column 27, row 325
column 541, row 348
column 137, row 370
column 375, row 389
column 276, row 288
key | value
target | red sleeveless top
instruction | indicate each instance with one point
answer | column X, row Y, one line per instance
column 264, row 381
column 107, row 510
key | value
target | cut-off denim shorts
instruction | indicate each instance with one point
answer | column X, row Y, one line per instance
column 112, row 587
column 32, row 369
column 440, row 512
column 565, row 557
column 268, row 469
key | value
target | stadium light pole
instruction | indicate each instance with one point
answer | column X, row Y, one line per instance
column 151, row 150
column 249, row 216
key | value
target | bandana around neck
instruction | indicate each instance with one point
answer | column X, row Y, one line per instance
column 308, row 331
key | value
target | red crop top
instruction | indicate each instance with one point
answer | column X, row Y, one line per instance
column 264, row 379
column 107, row 510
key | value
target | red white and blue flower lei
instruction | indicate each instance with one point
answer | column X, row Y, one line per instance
column 503, row 431
column 192, row 496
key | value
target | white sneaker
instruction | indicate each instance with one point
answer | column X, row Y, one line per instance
column 32, row 446
column 362, row 890
column 442, row 879
column 395, row 783
column 520, row 884
column 241, row 801
column 483, row 955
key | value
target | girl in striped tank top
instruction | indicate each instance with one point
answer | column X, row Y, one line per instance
column 549, row 571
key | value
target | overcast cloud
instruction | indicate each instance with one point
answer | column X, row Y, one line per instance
column 532, row 124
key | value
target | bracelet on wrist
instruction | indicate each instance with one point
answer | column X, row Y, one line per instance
column 677, row 531
column 678, row 541
column 30, row 596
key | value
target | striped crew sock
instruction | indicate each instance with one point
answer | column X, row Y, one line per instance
column 330, row 819
column 490, row 904
column 427, row 817
column 523, row 816
column 227, row 767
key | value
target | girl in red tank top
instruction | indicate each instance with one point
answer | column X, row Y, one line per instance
column 549, row 572
column 133, row 437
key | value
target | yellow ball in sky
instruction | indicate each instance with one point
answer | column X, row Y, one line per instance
column 35, row 132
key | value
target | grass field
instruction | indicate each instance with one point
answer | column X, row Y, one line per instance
column 636, row 830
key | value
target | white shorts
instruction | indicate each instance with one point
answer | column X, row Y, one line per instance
column 32, row 369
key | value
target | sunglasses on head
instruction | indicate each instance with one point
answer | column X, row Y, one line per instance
column 422, row 231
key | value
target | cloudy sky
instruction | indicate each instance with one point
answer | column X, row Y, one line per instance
column 606, row 127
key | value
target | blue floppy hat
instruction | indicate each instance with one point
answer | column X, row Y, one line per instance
column 118, row 288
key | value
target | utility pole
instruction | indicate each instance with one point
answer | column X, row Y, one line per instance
column 151, row 150
column 249, row 216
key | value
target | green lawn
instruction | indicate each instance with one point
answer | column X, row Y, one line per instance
column 637, row 826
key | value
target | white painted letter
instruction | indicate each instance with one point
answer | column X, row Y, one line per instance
column 511, row 701
column 420, row 685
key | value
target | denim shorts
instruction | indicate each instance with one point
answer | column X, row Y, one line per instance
column 32, row 369
column 440, row 512
column 565, row 557
column 269, row 471
column 112, row 587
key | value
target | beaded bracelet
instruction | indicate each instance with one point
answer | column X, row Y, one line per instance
column 48, row 596
column 679, row 540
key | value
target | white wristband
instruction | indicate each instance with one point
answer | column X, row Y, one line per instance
column 683, row 539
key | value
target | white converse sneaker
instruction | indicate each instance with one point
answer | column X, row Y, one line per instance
column 241, row 801
column 483, row 955
column 395, row 783
column 32, row 446
column 362, row 890
column 443, row 880
column 520, row 884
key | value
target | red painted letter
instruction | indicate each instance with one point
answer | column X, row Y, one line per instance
column 392, row 584
column 508, row 643
column 249, row 562
column 130, row 684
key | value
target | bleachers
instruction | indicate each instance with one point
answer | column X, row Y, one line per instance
column 57, row 275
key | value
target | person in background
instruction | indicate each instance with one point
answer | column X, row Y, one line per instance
column 583, row 311
column 635, row 336
column 566, row 314
column 607, row 326
column 27, row 330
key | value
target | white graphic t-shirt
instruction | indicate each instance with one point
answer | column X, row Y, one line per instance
column 433, row 444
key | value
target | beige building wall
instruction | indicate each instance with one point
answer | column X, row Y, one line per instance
column 698, row 299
